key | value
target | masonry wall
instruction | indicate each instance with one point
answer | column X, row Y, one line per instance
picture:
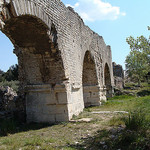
column 118, row 73
column 69, row 40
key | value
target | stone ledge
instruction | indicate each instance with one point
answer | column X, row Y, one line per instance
column 109, row 112
column 45, row 88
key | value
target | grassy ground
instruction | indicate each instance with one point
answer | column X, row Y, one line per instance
column 110, row 131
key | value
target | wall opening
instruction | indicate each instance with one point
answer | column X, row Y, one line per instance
column 41, row 70
column 90, row 82
column 7, row 57
column 107, row 80
column 39, row 58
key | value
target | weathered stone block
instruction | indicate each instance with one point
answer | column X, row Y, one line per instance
column 62, row 98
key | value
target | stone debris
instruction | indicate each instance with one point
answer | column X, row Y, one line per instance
column 7, row 99
column 124, row 112
column 118, row 73
column 82, row 120
column 109, row 112
column 11, row 104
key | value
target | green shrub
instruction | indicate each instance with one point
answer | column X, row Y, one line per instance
column 136, row 120
column 131, row 140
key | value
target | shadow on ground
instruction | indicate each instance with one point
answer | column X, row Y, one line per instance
column 12, row 126
column 143, row 93
column 113, row 139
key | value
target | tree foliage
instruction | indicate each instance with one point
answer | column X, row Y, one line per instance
column 1, row 72
column 1, row 75
column 141, row 44
column 11, row 74
column 138, row 60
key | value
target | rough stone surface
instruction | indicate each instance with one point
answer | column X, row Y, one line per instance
column 7, row 99
column 63, row 65
column 109, row 112
column 118, row 76
column 11, row 105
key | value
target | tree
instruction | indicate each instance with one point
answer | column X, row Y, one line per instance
column 1, row 75
column 138, row 60
column 141, row 44
column 12, row 73
column 1, row 72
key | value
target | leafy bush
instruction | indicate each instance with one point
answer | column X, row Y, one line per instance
column 136, row 120
column 131, row 140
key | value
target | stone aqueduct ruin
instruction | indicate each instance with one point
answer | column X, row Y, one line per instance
column 63, row 65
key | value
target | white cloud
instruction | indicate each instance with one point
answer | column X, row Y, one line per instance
column 67, row 5
column 76, row 5
column 92, row 10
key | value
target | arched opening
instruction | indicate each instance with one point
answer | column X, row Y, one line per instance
column 90, row 82
column 41, row 70
column 7, row 57
column 107, row 81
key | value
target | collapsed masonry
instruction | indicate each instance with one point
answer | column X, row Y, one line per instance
column 118, row 76
column 63, row 65
column 11, row 104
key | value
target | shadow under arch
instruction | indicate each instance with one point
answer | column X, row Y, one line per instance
column 41, row 70
column 91, row 94
column 107, row 81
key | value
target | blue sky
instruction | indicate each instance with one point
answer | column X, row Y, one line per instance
column 115, row 20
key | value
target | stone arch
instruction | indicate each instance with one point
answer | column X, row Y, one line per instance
column 90, row 81
column 107, row 81
column 41, row 69
column 15, row 8
column 73, row 39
